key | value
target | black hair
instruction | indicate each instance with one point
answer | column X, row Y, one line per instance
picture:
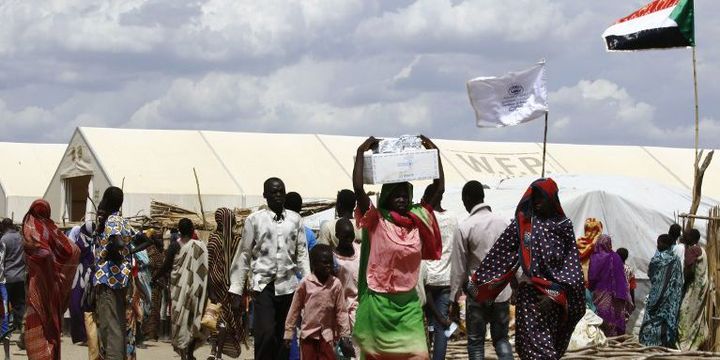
column 110, row 203
column 345, row 201
column 7, row 223
column 664, row 242
column 112, row 200
column 474, row 191
column 293, row 201
column 343, row 223
column 319, row 250
column 271, row 180
column 429, row 190
column 186, row 227
column 674, row 232
column 693, row 237
column 623, row 252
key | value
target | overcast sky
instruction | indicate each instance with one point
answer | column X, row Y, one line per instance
column 353, row 67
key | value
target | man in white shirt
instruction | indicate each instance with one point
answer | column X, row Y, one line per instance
column 272, row 251
column 437, row 277
column 472, row 242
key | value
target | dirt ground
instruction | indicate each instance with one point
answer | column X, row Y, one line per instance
column 155, row 351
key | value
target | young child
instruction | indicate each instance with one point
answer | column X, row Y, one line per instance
column 347, row 256
column 321, row 297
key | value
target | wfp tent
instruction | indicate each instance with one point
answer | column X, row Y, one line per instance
column 231, row 166
column 25, row 171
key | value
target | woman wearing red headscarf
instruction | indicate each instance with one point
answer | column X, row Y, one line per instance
column 51, row 263
column 550, row 296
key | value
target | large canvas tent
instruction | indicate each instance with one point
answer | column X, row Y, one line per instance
column 231, row 166
column 26, row 170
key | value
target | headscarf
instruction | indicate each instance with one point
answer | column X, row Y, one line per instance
column 224, row 218
column 417, row 215
column 51, row 260
column 586, row 243
column 607, row 272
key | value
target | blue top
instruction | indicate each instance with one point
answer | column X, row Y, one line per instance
column 310, row 237
column 108, row 272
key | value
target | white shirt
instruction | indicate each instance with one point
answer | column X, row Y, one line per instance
column 273, row 251
column 438, row 271
column 472, row 242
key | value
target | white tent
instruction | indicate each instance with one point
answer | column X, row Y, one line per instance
column 147, row 164
column 26, row 172
column 231, row 166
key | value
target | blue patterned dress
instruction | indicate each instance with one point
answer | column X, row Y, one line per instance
column 659, row 326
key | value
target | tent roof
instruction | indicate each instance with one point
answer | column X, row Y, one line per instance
column 161, row 161
column 28, row 168
column 158, row 161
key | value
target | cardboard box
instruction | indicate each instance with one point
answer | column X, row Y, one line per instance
column 398, row 167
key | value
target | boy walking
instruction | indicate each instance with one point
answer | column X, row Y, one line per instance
column 321, row 297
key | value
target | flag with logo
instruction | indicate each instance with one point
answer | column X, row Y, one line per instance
column 661, row 24
column 511, row 99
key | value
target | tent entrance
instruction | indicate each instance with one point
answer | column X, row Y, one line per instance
column 78, row 189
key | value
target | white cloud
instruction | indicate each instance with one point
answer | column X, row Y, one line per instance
column 29, row 122
column 339, row 66
column 445, row 22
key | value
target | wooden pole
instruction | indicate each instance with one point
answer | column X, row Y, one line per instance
column 697, row 111
column 698, row 168
column 544, row 144
column 202, row 210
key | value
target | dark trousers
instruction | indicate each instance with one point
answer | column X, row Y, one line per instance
column 110, row 314
column 269, row 324
column 478, row 316
column 441, row 299
column 16, row 298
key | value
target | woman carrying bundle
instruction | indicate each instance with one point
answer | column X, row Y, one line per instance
column 397, row 234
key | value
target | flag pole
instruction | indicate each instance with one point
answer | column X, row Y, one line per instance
column 545, row 144
column 697, row 112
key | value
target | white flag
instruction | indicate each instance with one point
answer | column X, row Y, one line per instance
column 511, row 99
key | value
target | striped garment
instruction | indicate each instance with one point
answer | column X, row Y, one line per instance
column 221, row 247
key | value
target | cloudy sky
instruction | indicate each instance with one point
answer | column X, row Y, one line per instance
column 354, row 67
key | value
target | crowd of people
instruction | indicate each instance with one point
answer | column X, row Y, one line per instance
column 384, row 280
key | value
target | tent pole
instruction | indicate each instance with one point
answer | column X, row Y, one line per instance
column 202, row 210
column 544, row 144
